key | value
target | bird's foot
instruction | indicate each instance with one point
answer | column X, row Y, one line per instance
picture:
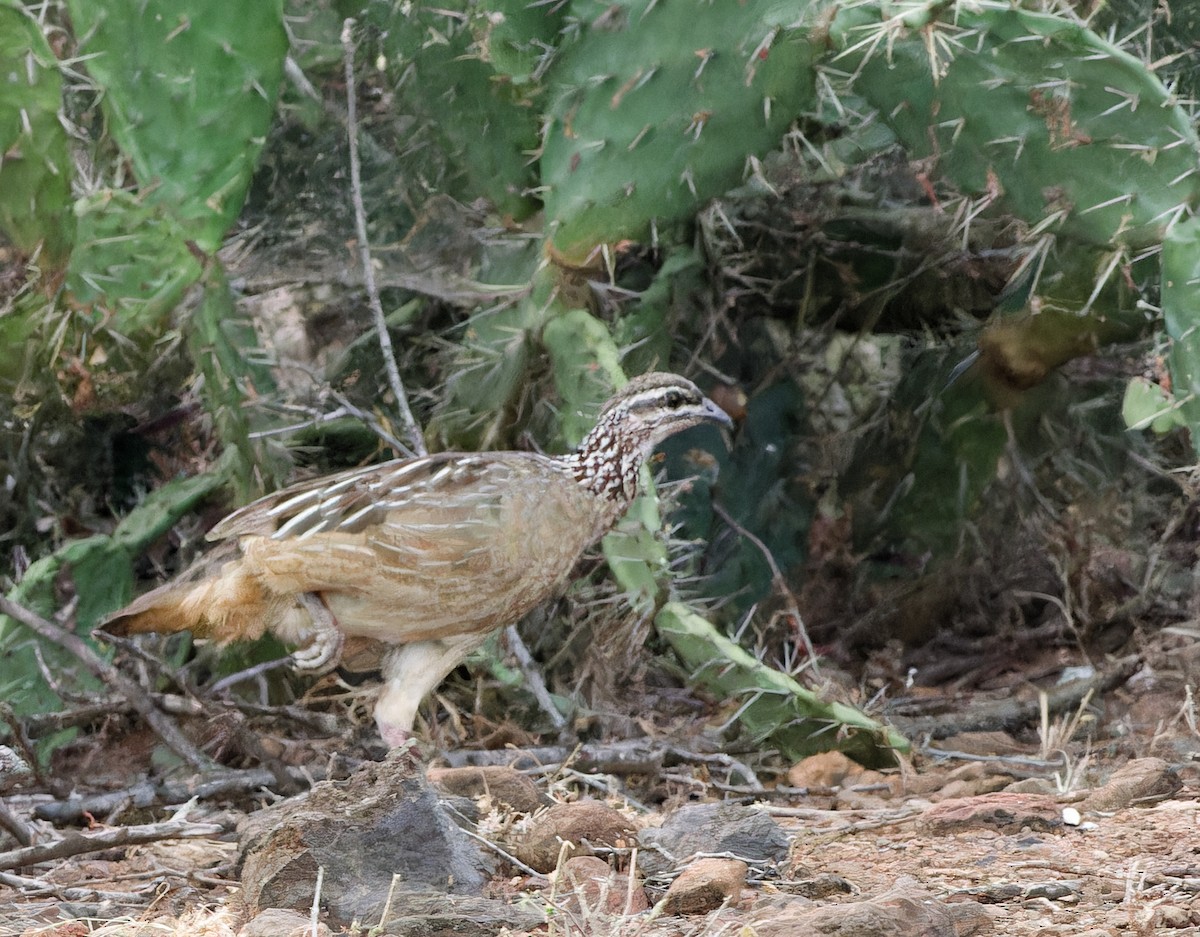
column 395, row 737
column 404, row 749
column 324, row 651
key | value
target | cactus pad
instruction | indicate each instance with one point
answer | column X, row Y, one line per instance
column 1033, row 111
column 189, row 95
column 658, row 107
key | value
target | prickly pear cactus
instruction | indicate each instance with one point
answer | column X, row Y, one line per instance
column 480, row 122
column 1181, row 305
column 189, row 95
column 657, row 107
column 518, row 38
column 1032, row 111
column 35, row 164
column 131, row 264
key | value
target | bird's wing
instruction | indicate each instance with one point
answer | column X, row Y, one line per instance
column 358, row 499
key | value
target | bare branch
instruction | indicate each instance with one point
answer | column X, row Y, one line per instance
column 412, row 432
column 101, row 669
column 76, row 844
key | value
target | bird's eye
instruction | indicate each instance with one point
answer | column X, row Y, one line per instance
column 675, row 399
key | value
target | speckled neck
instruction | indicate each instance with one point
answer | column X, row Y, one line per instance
column 609, row 458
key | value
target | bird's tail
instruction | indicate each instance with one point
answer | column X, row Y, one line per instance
column 228, row 606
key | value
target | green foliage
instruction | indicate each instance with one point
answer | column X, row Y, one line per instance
column 35, row 163
column 773, row 708
column 99, row 571
column 1033, row 111
column 188, row 95
column 657, row 106
column 484, row 127
column 131, row 263
column 623, row 118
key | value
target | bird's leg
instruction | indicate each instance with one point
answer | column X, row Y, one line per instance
column 410, row 671
column 325, row 649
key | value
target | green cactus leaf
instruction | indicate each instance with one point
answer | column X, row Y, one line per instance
column 1148, row 406
column 587, row 366
column 189, row 93
column 100, row 569
column 35, row 161
column 481, row 120
column 775, row 708
column 1032, row 111
column 659, row 106
column 1181, row 316
column 131, row 264
column 226, row 351
column 519, row 37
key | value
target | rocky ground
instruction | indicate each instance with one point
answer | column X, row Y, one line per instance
column 1084, row 825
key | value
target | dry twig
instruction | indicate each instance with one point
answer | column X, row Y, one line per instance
column 77, row 844
column 101, row 669
column 412, row 432
column 148, row 794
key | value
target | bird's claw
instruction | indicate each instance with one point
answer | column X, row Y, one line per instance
column 324, row 651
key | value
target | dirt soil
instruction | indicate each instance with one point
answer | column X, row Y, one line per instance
column 1092, row 829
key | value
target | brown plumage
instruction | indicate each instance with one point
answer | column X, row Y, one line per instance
column 429, row 555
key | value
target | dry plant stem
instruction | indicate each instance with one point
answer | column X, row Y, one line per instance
column 249, row 673
column 104, row 671
column 33, row 887
column 148, row 794
column 411, row 431
column 15, row 826
column 315, row 914
column 780, row 583
column 533, row 676
column 1013, row 713
column 77, row 844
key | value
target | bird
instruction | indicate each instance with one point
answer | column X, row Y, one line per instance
column 427, row 555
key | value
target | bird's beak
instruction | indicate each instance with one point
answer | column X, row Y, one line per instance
column 715, row 414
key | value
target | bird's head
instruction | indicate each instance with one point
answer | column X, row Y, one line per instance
column 657, row 405
column 636, row 419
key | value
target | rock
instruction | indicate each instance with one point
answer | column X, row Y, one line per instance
column 828, row 769
column 1031, row 786
column 1176, row 918
column 460, row 916
column 815, row 887
column 704, row 885
column 959, row 788
column 1000, row 812
column 587, row 885
column 905, row 911
column 1142, row 780
column 582, row 824
column 14, row 769
column 382, row 822
column 981, row 743
column 279, row 922
column 502, row 785
column 744, row 832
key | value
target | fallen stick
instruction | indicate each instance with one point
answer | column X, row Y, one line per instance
column 76, row 844
column 103, row 670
